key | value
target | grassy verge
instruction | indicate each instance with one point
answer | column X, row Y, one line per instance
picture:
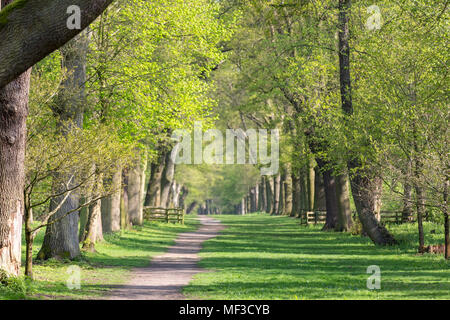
column 100, row 271
column 264, row 257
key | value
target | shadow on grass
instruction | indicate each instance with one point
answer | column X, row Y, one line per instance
column 264, row 257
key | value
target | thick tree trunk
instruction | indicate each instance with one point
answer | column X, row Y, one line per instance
column 303, row 192
column 256, row 198
column 345, row 220
column 183, row 195
column 320, row 199
column 111, row 205
column 366, row 191
column 263, row 195
column 13, row 114
column 61, row 237
column 364, row 184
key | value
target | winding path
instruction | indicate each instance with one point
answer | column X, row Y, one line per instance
column 168, row 273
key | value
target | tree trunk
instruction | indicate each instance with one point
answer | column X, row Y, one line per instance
column 329, row 183
column 269, row 194
column 153, row 196
column 94, row 232
column 13, row 114
column 446, row 219
column 111, row 205
column 296, row 190
column 167, row 178
column 124, row 201
column 134, row 194
column 276, row 195
column 191, row 207
column 288, row 193
column 366, row 193
column 61, row 238
column 364, row 184
column 345, row 220
column 311, row 185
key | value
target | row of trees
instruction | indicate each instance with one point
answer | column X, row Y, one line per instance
column 360, row 94
column 99, row 117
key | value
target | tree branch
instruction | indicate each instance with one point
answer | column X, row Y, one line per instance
column 32, row 29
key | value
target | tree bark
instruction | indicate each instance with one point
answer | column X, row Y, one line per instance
column 13, row 114
column 111, row 205
column 153, row 196
column 30, row 30
column 94, row 232
column 191, row 207
column 262, row 195
column 345, row 220
column 282, row 198
column 296, row 190
column 304, row 192
column 311, row 185
column 276, row 194
column 329, row 183
column 124, row 201
column 288, row 192
column 446, row 219
column 269, row 194
column 167, row 178
column 134, row 194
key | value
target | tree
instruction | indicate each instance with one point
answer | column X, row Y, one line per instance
column 14, row 86
column 365, row 183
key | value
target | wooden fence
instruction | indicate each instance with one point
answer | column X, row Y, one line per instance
column 174, row 215
column 319, row 217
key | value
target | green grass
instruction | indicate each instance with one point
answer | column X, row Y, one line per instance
column 100, row 271
column 265, row 257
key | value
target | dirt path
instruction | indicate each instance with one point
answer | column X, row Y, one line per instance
column 171, row 271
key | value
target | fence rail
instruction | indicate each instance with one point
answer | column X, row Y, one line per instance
column 319, row 216
column 174, row 215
